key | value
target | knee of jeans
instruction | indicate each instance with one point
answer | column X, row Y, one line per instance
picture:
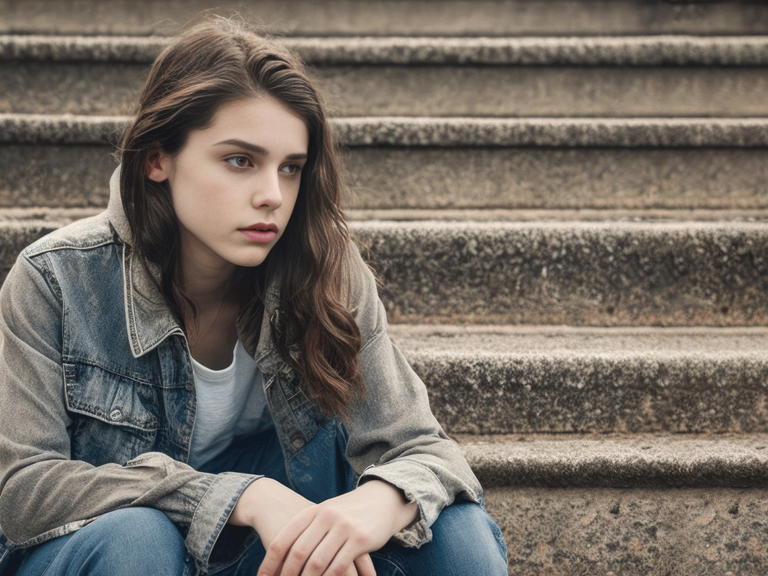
column 469, row 537
column 133, row 541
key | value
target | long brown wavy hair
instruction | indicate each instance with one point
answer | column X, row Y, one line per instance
column 213, row 63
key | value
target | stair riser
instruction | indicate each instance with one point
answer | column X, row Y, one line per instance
column 13, row 238
column 395, row 17
column 614, row 275
column 434, row 178
column 562, row 532
column 112, row 88
column 571, row 274
column 544, row 393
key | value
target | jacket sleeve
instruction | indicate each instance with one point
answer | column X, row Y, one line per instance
column 393, row 426
column 43, row 492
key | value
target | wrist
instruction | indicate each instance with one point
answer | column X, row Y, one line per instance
column 404, row 512
column 244, row 512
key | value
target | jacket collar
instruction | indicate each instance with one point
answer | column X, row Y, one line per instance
column 148, row 319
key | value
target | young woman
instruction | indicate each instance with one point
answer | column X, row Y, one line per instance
column 199, row 380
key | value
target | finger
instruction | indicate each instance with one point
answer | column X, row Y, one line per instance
column 313, row 551
column 349, row 555
column 364, row 565
column 352, row 570
column 281, row 545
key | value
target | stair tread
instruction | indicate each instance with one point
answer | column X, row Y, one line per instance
column 619, row 460
column 444, row 132
column 648, row 50
column 613, row 221
column 515, row 341
column 64, row 215
column 351, row 17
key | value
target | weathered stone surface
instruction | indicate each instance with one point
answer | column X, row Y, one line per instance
column 398, row 50
column 50, row 129
column 394, row 17
column 55, row 176
column 553, row 132
column 619, row 461
column 556, row 215
column 70, row 88
column 14, row 236
column 633, row 532
column 538, row 51
column 544, row 91
column 556, row 178
column 572, row 273
column 445, row 132
column 482, row 180
column 364, row 90
column 527, row 379
column 504, row 164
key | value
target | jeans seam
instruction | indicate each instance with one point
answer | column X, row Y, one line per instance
column 43, row 573
column 389, row 561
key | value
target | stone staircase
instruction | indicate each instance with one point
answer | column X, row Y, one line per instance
column 566, row 202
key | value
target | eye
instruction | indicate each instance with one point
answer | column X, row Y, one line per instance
column 238, row 161
column 291, row 169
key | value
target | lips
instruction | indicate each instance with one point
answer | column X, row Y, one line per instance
column 260, row 233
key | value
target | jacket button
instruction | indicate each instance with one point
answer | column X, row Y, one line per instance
column 115, row 415
column 297, row 444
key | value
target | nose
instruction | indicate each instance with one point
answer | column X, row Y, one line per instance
column 268, row 193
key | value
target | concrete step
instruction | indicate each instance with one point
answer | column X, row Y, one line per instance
column 558, row 379
column 571, row 272
column 641, row 504
column 633, row 532
column 593, row 76
column 63, row 214
column 555, row 215
column 394, row 17
column 533, row 379
column 457, row 163
column 619, row 461
column 591, row 274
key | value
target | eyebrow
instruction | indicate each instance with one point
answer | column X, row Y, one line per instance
column 256, row 149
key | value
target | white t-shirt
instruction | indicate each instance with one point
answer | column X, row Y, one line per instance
column 230, row 403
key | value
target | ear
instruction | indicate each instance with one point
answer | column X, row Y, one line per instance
column 156, row 165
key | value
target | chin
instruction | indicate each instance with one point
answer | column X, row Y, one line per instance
column 249, row 261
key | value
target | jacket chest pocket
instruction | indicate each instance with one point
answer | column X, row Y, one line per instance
column 114, row 416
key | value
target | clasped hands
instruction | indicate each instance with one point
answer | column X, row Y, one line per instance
column 332, row 538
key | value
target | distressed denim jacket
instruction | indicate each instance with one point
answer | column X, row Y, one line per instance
column 97, row 403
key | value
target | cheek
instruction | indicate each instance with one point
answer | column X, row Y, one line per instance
column 200, row 201
column 290, row 198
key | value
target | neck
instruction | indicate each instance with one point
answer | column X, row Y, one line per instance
column 212, row 331
column 207, row 285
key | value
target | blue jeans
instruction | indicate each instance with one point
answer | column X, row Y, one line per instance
column 142, row 541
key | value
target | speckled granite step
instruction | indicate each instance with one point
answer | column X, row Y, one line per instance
column 640, row 504
column 633, row 532
column 395, row 17
column 598, row 273
column 458, row 163
column 560, row 379
column 616, row 274
column 532, row 76
column 619, row 461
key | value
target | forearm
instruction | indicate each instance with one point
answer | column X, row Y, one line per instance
column 392, row 502
column 52, row 492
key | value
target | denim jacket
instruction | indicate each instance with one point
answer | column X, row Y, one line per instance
column 97, row 402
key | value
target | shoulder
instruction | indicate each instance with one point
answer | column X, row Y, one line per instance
column 81, row 235
column 84, row 252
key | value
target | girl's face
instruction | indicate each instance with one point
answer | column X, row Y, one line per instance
column 234, row 184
